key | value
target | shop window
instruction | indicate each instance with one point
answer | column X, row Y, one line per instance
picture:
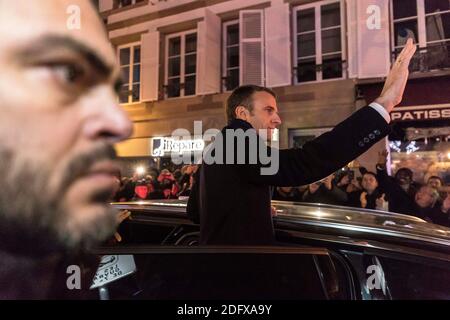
column 318, row 42
column 130, row 67
column 298, row 137
column 426, row 157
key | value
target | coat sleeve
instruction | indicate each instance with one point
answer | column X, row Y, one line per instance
column 324, row 155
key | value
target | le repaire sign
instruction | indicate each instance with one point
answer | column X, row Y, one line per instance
column 418, row 113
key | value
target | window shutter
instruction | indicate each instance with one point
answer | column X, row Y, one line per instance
column 106, row 5
column 373, row 43
column 251, row 34
column 208, row 54
column 277, row 49
column 352, row 31
column 150, row 47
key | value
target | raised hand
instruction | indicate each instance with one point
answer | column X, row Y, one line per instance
column 328, row 182
column 395, row 83
column 381, row 203
column 446, row 203
column 382, row 157
column 363, row 199
column 313, row 187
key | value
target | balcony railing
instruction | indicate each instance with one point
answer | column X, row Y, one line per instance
column 435, row 56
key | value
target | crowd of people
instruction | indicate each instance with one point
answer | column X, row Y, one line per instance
column 360, row 189
column 379, row 191
column 156, row 185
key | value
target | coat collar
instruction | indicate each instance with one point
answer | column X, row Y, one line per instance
column 239, row 124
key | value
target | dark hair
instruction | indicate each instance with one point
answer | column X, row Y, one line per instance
column 406, row 170
column 370, row 173
column 243, row 96
column 436, row 177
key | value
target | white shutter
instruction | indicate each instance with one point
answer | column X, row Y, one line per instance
column 105, row 5
column 208, row 54
column 277, row 48
column 352, row 34
column 251, row 55
column 150, row 47
column 373, row 43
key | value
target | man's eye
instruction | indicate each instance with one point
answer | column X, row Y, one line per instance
column 68, row 73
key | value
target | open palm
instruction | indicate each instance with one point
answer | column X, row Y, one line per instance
column 395, row 83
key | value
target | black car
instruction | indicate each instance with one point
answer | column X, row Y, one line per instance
column 323, row 252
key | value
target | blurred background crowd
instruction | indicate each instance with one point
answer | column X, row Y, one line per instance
column 354, row 187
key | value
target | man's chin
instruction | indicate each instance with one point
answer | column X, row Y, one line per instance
column 87, row 226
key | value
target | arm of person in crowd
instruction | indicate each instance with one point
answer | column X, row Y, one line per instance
column 445, row 207
column 356, row 165
column 391, row 189
column 362, row 170
column 349, row 139
column 337, row 194
column 441, row 213
column 363, row 199
column 310, row 191
column 384, row 180
column 382, row 203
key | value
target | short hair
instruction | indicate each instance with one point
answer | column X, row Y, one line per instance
column 370, row 173
column 406, row 170
column 434, row 192
column 438, row 178
column 243, row 96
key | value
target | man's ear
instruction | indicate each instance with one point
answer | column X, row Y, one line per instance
column 241, row 112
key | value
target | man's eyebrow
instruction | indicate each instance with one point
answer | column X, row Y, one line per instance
column 48, row 43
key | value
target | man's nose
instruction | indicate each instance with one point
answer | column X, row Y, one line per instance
column 276, row 119
column 106, row 118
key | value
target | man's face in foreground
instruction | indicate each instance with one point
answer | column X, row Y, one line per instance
column 59, row 118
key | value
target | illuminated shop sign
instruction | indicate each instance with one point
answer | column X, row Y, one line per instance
column 436, row 112
column 166, row 146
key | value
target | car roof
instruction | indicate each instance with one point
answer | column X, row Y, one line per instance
column 340, row 217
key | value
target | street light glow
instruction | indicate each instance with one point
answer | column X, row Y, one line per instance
column 140, row 170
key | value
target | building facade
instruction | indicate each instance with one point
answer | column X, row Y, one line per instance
column 180, row 60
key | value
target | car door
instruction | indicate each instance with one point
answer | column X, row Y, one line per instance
column 216, row 273
column 403, row 276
